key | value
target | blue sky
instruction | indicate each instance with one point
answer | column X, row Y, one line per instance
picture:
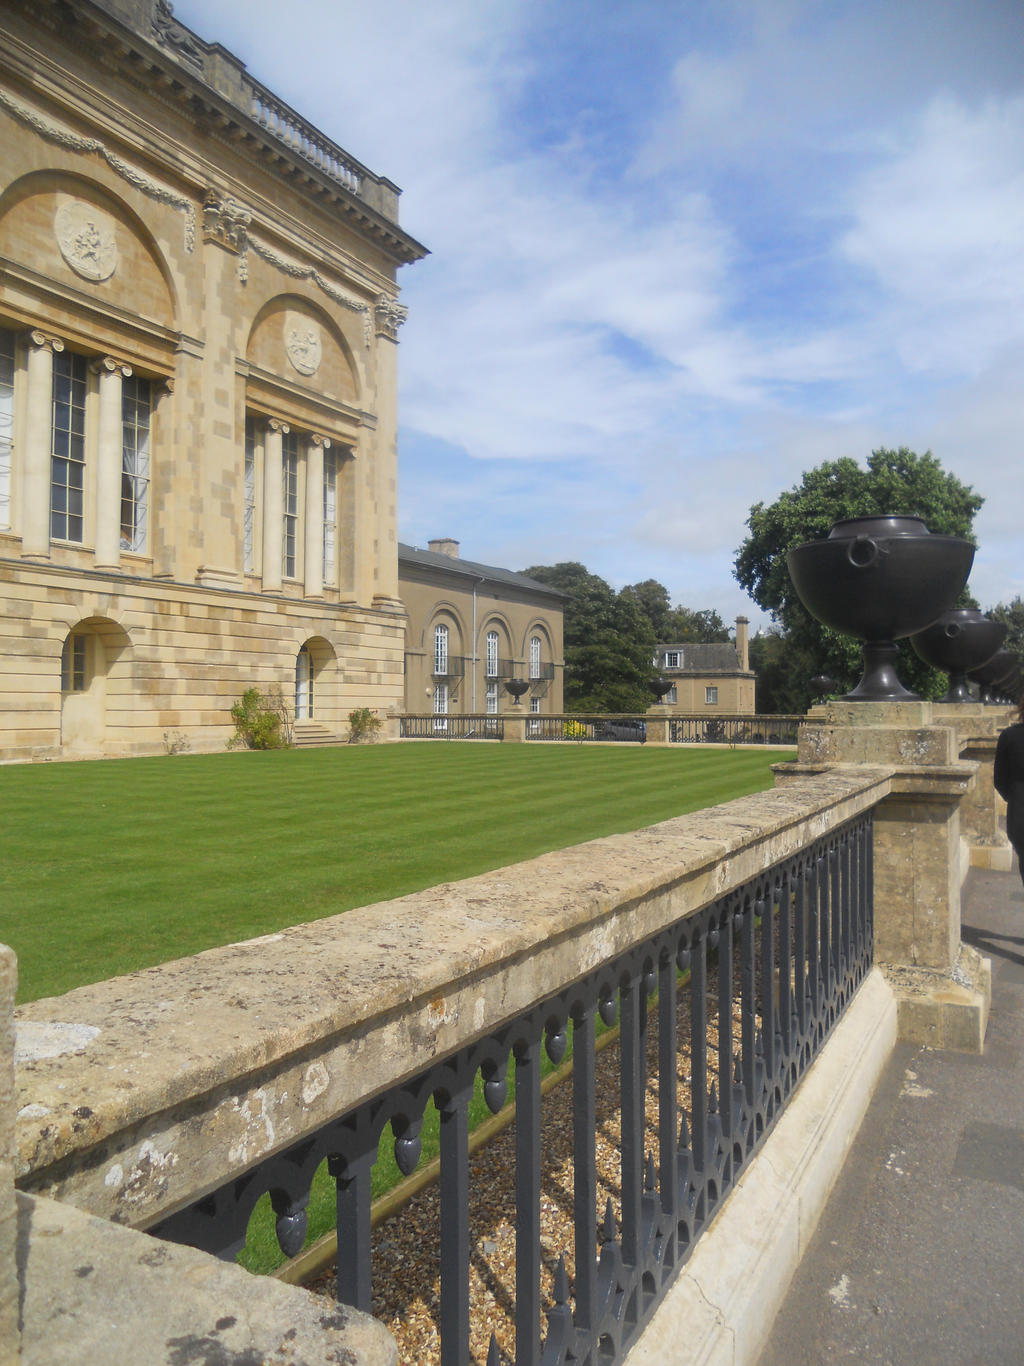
column 681, row 252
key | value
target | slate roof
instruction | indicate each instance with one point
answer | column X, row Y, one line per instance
column 702, row 658
column 470, row 569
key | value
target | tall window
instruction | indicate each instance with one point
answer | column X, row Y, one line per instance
column 711, row 697
column 67, row 461
column 535, row 656
column 136, row 410
column 491, row 699
column 492, row 654
column 330, row 515
column 6, row 421
column 303, row 685
column 441, row 651
column 440, row 706
column 72, row 664
column 290, row 502
column 249, row 494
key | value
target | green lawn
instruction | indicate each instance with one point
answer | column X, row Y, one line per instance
column 115, row 865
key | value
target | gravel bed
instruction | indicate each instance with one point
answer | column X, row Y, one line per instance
column 405, row 1248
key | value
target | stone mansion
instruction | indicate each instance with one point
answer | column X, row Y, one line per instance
column 198, row 334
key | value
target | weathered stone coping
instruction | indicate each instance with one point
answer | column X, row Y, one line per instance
column 176, row 1078
column 92, row 1292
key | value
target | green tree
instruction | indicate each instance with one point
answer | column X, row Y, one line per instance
column 675, row 625
column 893, row 481
column 609, row 641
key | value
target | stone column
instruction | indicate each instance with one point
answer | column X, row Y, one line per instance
column 657, row 728
column 273, row 506
column 943, row 987
column 36, row 447
column 109, row 463
column 10, row 1332
column 315, row 447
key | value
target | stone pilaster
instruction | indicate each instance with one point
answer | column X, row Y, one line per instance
column 314, row 558
column 35, row 517
column 273, row 506
column 111, row 373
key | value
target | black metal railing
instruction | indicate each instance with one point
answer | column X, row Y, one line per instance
column 452, row 666
column 720, row 1015
column 734, row 730
column 582, row 728
column 500, row 668
column 542, row 673
column 444, row 727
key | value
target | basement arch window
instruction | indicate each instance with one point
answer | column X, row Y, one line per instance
column 304, row 685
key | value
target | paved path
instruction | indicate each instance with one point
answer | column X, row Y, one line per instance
column 919, row 1256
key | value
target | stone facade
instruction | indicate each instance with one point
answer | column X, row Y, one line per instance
column 198, row 326
column 708, row 679
column 471, row 628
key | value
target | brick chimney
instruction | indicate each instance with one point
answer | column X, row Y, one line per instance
column 445, row 545
column 742, row 642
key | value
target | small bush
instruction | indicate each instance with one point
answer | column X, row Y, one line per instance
column 363, row 725
column 262, row 721
column 574, row 730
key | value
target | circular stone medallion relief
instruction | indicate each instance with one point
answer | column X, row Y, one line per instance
column 302, row 343
column 86, row 240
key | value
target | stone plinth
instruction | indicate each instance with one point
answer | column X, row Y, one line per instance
column 943, row 989
column 657, row 728
column 976, row 728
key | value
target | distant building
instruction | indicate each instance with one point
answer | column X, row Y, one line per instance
column 709, row 678
column 198, row 325
column 472, row 627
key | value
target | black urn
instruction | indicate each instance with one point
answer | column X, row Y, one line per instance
column 880, row 578
column 997, row 675
column 958, row 641
column 660, row 687
column 515, row 687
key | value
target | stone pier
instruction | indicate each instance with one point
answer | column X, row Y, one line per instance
column 943, row 987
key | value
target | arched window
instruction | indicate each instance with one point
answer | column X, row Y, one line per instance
column 304, row 685
column 441, row 650
column 535, row 656
column 492, row 654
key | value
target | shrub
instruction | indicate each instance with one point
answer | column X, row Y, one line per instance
column 363, row 724
column 262, row 721
column 574, row 730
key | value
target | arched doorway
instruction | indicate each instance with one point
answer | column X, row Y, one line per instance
column 91, row 651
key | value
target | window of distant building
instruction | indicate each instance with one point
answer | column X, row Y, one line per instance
column 671, row 659
column 711, row 697
column 441, row 652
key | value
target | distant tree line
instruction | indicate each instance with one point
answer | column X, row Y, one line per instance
column 610, row 636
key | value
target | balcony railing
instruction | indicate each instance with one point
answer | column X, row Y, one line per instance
column 542, row 673
column 501, row 668
column 452, row 666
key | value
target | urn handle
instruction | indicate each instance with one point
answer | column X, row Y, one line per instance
column 863, row 551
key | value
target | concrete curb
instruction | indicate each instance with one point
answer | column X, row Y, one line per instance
column 720, row 1310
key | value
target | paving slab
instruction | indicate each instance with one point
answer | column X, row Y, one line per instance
column 917, row 1258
